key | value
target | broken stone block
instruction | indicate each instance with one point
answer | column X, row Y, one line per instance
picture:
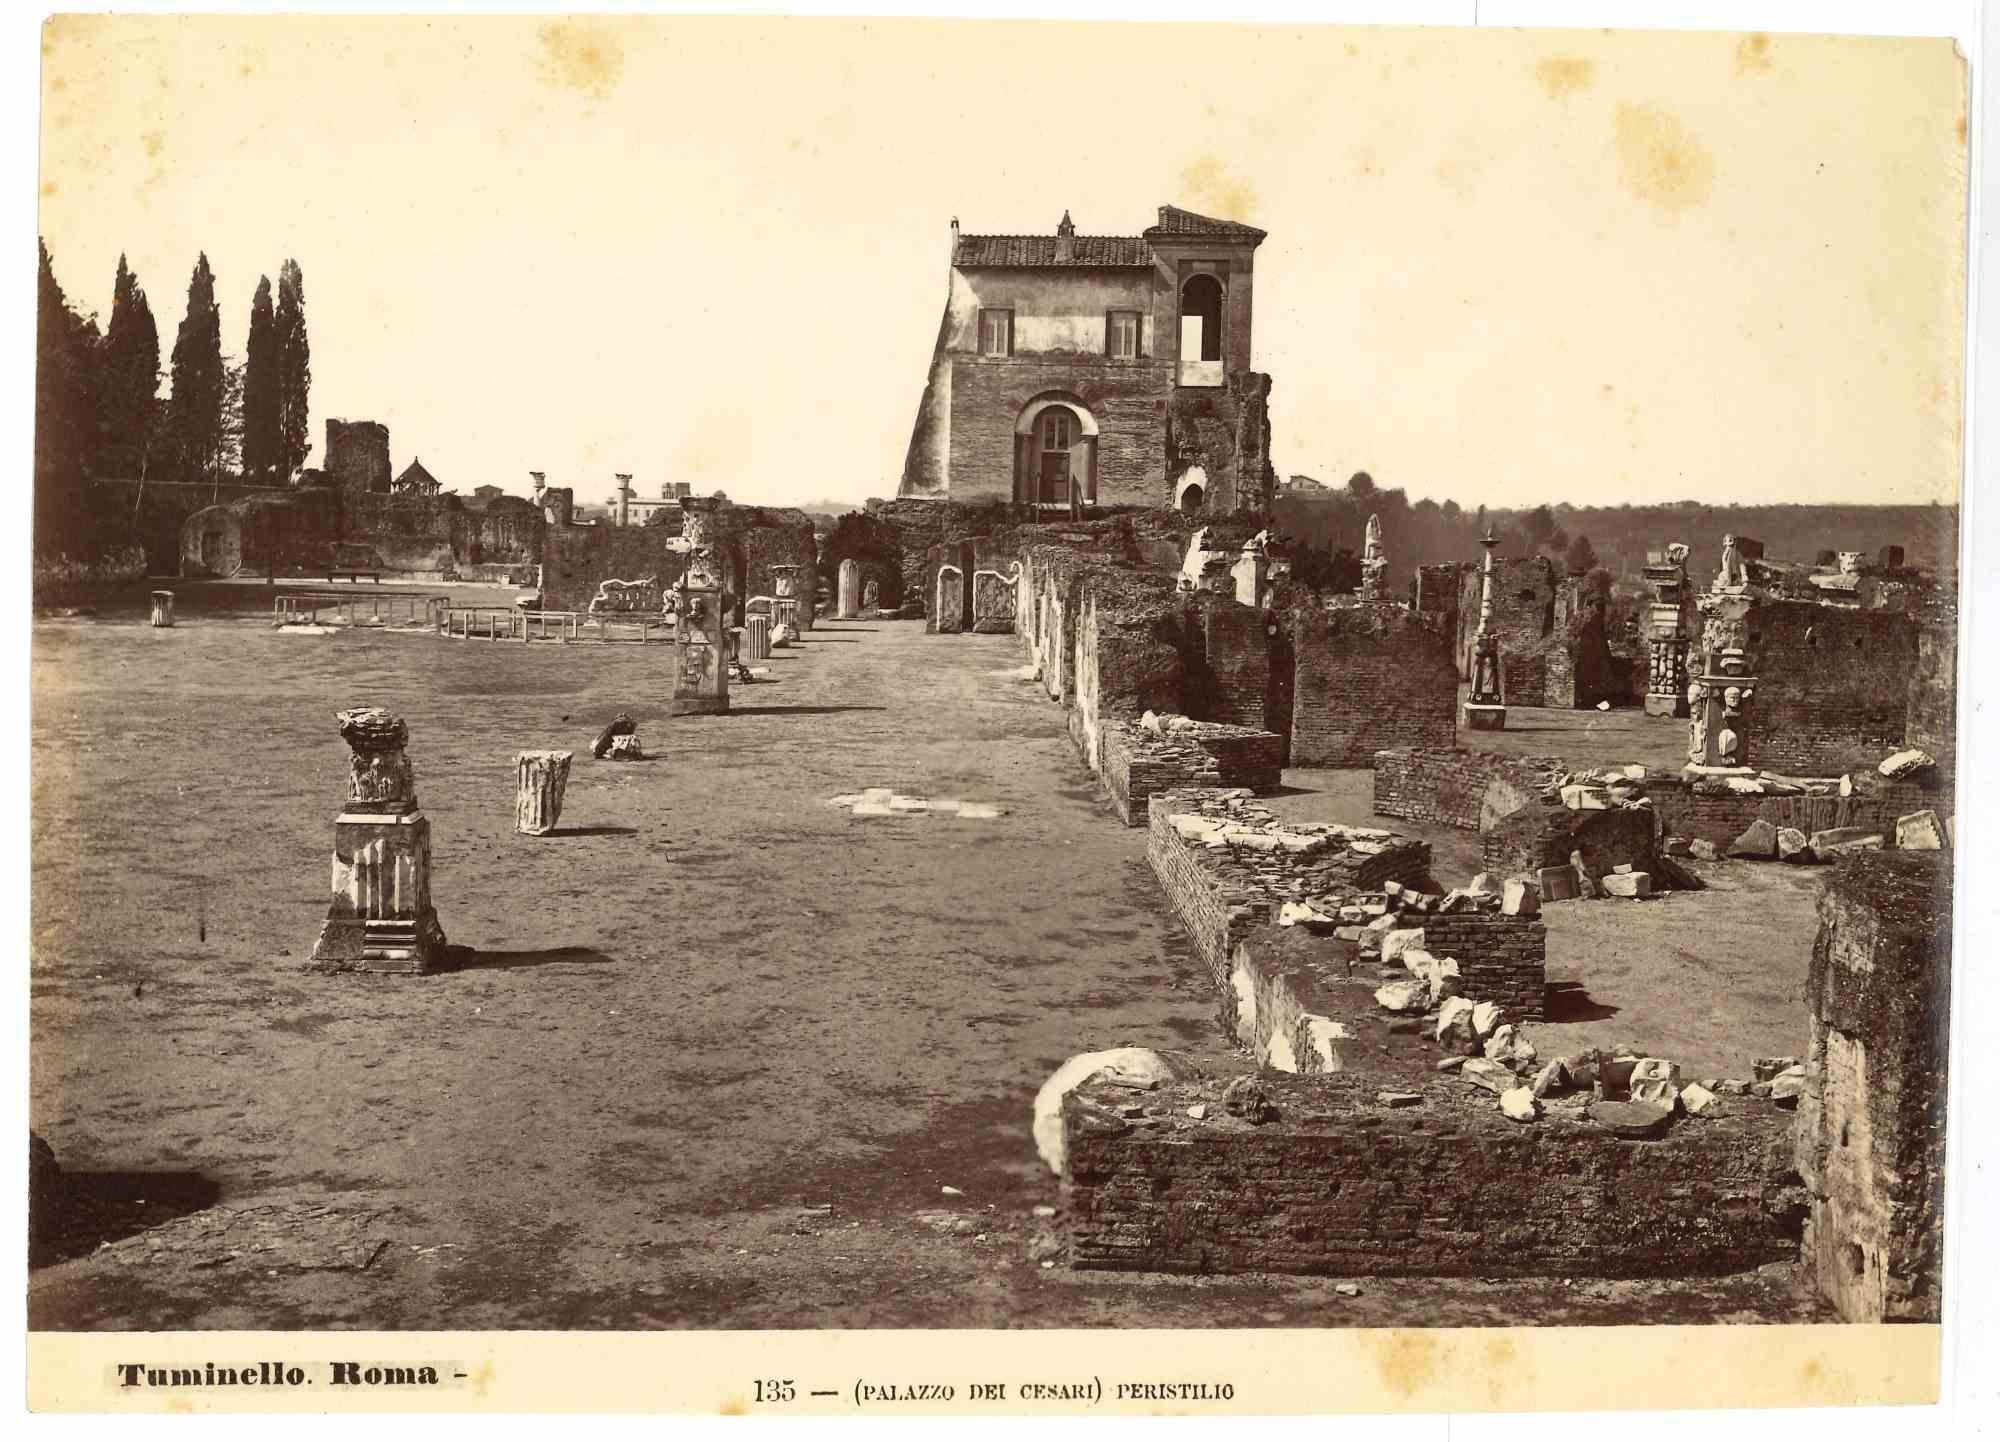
column 1151, row 722
column 621, row 725
column 1520, row 897
column 1793, row 844
column 1556, row 883
column 1299, row 913
column 1403, row 995
column 1518, row 1104
column 1844, row 840
column 1132, row 1066
column 1758, row 843
column 1488, row 1074
column 1450, row 1063
column 1484, row 884
column 1638, row 1121
column 1399, row 1099
column 1731, row 1087
column 1787, row 1088
column 1486, row 1019
column 538, row 796
column 1631, row 884
column 1510, row 1048
column 625, row 748
column 1763, row 1068
column 1245, row 1098
column 1442, row 980
column 1614, row 1071
column 1550, row 1079
column 1586, row 884
column 1696, row 1099
column 1454, row 1024
column 1677, row 846
column 1702, row 849
column 1654, row 1080
column 1401, row 940
column 1906, row 763
column 1919, row 831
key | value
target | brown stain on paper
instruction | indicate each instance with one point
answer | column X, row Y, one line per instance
column 1408, row 1361
column 1753, row 54
column 1213, row 189
column 1660, row 161
column 1561, row 76
column 582, row 55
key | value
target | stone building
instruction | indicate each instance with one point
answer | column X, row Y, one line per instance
column 1075, row 372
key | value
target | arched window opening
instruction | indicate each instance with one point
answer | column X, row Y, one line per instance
column 1201, row 331
column 1191, row 497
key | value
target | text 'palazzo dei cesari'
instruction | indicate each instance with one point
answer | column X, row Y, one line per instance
column 1074, row 372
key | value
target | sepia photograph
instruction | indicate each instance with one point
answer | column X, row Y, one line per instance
column 728, row 674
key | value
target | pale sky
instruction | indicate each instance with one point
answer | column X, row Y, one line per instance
column 1504, row 267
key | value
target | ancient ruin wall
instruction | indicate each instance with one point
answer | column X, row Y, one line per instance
column 1229, row 662
column 1871, row 1125
column 1501, row 959
column 1368, row 678
column 1123, row 397
column 1136, row 764
column 1931, row 717
column 1543, row 834
column 1720, row 816
column 1226, row 431
column 1458, row 787
column 1833, row 685
column 357, row 456
column 1343, row 1184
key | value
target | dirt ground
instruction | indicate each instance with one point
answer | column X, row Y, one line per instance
column 722, row 1045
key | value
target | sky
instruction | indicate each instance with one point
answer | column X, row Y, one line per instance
column 1504, row 267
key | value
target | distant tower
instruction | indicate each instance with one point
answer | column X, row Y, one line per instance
column 1065, row 240
column 624, row 498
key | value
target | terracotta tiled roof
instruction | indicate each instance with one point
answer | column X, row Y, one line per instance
column 1175, row 221
column 1036, row 250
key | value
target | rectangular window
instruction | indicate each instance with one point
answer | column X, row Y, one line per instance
column 996, row 332
column 1121, row 334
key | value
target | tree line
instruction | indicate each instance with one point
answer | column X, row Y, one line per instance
column 98, row 409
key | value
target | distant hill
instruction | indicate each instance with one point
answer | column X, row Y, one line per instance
column 1428, row 533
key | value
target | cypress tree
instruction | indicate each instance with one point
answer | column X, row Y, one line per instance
column 130, row 382
column 194, row 407
column 66, row 356
column 262, row 439
column 294, row 371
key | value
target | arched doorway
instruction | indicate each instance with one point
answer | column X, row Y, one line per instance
column 1055, row 454
column 1201, row 331
column 1191, row 491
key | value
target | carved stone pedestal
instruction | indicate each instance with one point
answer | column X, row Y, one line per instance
column 756, row 645
column 538, row 797
column 1485, row 718
column 381, row 917
column 163, row 608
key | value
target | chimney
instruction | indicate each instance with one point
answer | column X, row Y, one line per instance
column 541, row 480
column 1065, row 240
column 954, row 240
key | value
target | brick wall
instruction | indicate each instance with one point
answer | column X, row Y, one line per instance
column 1540, row 834
column 1128, row 402
column 1931, row 717
column 1833, row 687
column 1135, row 763
column 1458, row 787
column 1721, row 817
column 1501, row 959
column 1225, row 430
column 1368, row 678
column 1229, row 662
column 1343, row 1185
column 1216, row 910
column 1871, row 1125
column 1524, row 609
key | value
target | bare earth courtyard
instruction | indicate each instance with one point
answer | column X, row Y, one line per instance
column 722, row 1045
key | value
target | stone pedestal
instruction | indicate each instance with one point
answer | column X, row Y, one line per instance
column 701, row 670
column 785, row 595
column 756, row 639
column 848, row 603
column 1484, row 718
column 380, row 918
column 538, row 796
column 163, row 608
column 1871, row 1123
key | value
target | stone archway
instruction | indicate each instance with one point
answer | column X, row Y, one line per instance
column 1191, row 490
column 1055, row 453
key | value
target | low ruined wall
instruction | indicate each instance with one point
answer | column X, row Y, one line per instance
column 1833, row 687
column 1502, row 959
column 1540, row 834
column 1458, row 787
column 1219, row 892
column 1931, row 715
column 1368, row 678
column 1136, row 764
column 1342, row 1184
column 1721, row 817
column 1871, row 1125
column 576, row 560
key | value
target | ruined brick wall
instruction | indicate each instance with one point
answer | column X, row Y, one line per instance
column 576, row 560
column 1722, row 816
column 1345, row 1185
column 1524, row 611
column 948, row 588
column 1228, row 662
column 1126, row 399
column 357, row 456
column 1931, row 714
column 1500, row 958
column 506, row 531
column 1225, row 430
column 1871, row 1125
column 1215, row 910
column 775, row 537
column 1833, row 685
column 1135, row 764
column 1458, row 787
column 1368, row 678
column 408, row 533
column 896, row 537
column 1540, row 834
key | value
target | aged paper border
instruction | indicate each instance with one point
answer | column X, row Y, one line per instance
column 1281, row 1371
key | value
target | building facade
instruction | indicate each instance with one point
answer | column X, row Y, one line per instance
column 1073, row 372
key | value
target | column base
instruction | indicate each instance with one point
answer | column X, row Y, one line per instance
column 411, row 946
column 1481, row 717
